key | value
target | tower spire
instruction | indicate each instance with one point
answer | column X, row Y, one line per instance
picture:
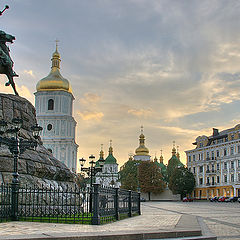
column 161, row 157
column 56, row 57
column 178, row 154
column 174, row 149
column 101, row 152
column 110, row 148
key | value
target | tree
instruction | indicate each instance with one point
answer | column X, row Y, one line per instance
column 129, row 175
column 150, row 178
column 182, row 181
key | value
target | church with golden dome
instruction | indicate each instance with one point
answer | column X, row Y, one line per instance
column 142, row 153
column 54, row 107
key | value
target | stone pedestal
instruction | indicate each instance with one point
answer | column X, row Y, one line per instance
column 35, row 167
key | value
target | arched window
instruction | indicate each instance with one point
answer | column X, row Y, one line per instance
column 50, row 104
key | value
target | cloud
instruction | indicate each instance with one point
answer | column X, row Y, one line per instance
column 29, row 72
column 141, row 112
column 90, row 99
column 87, row 115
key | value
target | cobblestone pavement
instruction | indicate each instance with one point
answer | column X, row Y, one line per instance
column 222, row 219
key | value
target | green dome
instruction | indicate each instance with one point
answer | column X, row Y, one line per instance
column 110, row 160
column 97, row 164
column 161, row 165
column 175, row 159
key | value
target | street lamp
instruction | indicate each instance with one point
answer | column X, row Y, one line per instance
column 91, row 171
column 9, row 135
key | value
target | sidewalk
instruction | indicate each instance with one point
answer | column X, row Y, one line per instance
column 152, row 224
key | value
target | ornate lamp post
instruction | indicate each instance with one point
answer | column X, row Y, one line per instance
column 91, row 171
column 9, row 135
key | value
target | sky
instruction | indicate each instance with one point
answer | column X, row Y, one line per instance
column 171, row 66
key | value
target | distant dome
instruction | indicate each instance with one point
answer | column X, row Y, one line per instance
column 142, row 150
column 54, row 81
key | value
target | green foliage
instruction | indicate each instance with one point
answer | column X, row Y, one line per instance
column 150, row 178
column 128, row 175
column 182, row 181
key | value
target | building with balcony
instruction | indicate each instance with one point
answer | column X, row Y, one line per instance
column 215, row 163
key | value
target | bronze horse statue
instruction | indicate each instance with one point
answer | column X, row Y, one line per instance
column 6, row 63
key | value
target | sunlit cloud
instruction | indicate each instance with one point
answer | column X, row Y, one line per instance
column 86, row 115
column 141, row 112
column 90, row 99
column 29, row 72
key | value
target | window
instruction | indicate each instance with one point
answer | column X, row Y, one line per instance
column 208, row 180
column 239, row 177
column 199, row 156
column 207, row 155
column 213, row 180
column 218, row 153
column 212, row 167
column 239, row 163
column 201, row 169
column 218, row 179
column 238, row 147
column 225, row 152
column 232, row 164
column 194, row 169
column 200, row 181
column 207, row 168
column 189, row 158
column 189, row 169
column 193, row 157
column 232, row 177
column 225, row 178
column 49, row 127
column 50, row 104
column 231, row 150
column 212, row 155
column 217, row 166
column 225, row 165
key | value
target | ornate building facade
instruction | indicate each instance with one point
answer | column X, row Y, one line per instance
column 215, row 162
column 54, row 105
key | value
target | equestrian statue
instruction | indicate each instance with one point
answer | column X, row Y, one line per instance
column 6, row 63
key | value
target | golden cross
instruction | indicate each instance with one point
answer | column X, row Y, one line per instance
column 57, row 41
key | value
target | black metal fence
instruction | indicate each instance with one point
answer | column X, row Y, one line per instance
column 70, row 205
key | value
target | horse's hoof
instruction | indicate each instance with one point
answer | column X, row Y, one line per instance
column 7, row 84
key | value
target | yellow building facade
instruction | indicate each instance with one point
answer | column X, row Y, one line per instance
column 215, row 163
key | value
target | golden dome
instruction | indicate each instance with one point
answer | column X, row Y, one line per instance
column 54, row 81
column 142, row 150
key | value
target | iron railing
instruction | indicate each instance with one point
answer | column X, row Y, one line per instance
column 5, row 202
column 68, row 205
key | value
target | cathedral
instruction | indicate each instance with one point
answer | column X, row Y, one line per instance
column 109, row 175
column 54, row 107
